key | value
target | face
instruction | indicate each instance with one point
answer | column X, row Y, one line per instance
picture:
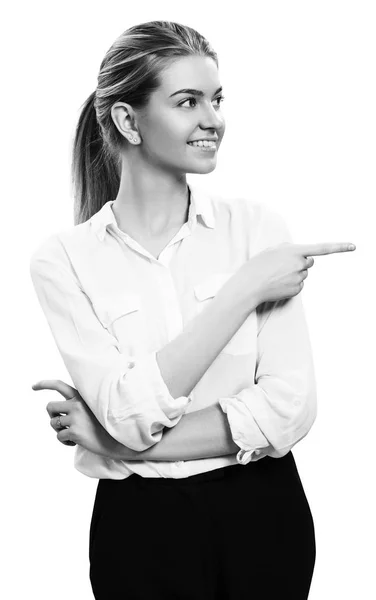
column 173, row 118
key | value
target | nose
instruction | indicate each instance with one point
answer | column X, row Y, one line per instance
column 211, row 118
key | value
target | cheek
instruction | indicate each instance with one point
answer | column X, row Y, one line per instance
column 222, row 129
column 175, row 129
column 166, row 131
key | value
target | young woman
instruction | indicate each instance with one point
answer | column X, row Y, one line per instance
column 179, row 319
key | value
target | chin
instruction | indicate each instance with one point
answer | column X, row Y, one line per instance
column 203, row 169
column 207, row 170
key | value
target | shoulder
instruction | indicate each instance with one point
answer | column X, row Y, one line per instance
column 225, row 203
column 57, row 247
column 260, row 214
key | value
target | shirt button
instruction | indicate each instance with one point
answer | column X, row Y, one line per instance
column 257, row 452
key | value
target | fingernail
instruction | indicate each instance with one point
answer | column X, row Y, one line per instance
column 351, row 247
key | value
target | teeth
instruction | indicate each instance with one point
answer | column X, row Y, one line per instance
column 204, row 143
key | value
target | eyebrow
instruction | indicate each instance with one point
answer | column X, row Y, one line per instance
column 194, row 92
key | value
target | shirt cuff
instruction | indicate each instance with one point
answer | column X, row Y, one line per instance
column 172, row 407
column 244, row 428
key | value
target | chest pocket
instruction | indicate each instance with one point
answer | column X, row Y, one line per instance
column 244, row 341
column 121, row 314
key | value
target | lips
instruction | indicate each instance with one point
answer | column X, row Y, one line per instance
column 204, row 149
column 195, row 144
column 203, row 140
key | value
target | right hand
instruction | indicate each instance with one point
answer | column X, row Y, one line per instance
column 79, row 425
column 280, row 270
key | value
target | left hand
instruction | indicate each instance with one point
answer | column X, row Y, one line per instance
column 78, row 424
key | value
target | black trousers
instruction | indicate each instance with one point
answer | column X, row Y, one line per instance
column 236, row 533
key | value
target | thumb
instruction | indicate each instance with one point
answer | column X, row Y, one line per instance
column 63, row 388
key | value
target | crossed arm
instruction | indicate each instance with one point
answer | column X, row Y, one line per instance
column 274, row 413
column 201, row 434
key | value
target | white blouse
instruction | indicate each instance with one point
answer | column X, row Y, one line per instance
column 112, row 306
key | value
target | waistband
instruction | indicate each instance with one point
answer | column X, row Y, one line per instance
column 215, row 474
column 266, row 463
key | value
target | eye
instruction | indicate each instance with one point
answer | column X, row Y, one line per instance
column 220, row 98
column 193, row 99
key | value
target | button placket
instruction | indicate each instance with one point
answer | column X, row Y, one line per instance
column 173, row 316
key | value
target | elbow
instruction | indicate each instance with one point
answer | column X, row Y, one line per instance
column 137, row 425
column 131, row 406
column 305, row 410
column 304, row 414
column 137, row 409
column 302, row 418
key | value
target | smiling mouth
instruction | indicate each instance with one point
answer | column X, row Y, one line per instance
column 211, row 147
column 203, row 144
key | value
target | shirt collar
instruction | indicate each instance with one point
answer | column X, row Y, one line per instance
column 200, row 205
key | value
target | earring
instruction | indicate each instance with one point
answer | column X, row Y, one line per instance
column 132, row 139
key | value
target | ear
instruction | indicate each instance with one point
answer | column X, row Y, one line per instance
column 124, row 118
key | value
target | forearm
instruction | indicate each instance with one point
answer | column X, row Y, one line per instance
column 185, row 359
column 201, row 434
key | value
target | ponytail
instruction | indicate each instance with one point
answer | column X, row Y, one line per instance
column 95, row 170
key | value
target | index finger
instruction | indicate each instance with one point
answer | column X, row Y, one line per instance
column 324, row 248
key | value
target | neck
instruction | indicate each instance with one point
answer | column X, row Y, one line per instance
column 150, row 203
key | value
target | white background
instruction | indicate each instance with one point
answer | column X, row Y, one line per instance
column 299, row 82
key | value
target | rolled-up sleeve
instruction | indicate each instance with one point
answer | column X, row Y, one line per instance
column 126, row 394
column 271, row 416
